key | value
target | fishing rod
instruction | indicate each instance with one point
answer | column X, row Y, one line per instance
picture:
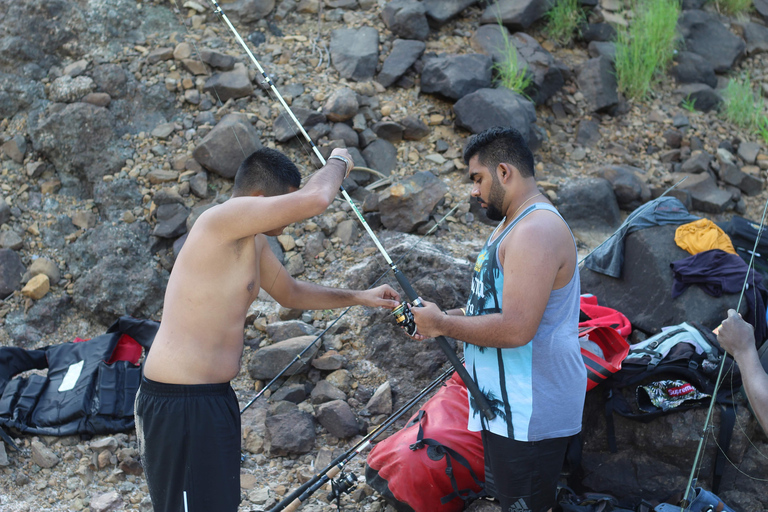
column 413, row 297
column 298, row 356
column 294, row 500
column 699, row 450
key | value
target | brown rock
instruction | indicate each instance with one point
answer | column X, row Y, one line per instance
column 37, row 287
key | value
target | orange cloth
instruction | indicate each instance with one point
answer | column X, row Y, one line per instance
column 702, row 235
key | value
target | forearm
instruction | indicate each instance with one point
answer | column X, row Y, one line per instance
column 484, row 331
column 755, row 384
column 325, row 183
column 306, row 295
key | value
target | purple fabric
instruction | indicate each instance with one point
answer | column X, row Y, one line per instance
column 719, row 272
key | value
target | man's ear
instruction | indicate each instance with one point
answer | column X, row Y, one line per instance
column 505, row 172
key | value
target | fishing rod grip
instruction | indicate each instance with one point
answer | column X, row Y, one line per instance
column 482, row 403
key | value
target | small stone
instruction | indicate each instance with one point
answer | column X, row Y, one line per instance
column 84, row 220
column 182, row 51
column 162, row 176
column 43, row 456
column 50, row 186
column 45, row 266
column 37, row 288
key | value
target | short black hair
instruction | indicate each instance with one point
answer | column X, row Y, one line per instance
column 501, row 144
column 268, row 171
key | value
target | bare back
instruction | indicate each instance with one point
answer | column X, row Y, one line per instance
column 212, row 284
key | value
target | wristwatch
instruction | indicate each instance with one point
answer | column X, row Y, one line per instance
column 343, row 159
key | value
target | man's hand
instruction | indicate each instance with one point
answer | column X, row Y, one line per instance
column 427, row 319
column 383, row 296
column 736, row 335
column 343, row 153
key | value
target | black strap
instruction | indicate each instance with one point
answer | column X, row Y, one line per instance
column 5, row 437
column 449, row 453
column 727, row 422
column 610, row 429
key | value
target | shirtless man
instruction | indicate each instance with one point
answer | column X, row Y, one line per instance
column 520, row 327
column 187, row 417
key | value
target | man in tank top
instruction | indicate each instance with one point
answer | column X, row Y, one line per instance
column 520, row 327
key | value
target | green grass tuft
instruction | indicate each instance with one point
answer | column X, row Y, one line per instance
column 743, row 106
column 734, row 7
column 563, row 20
column 646, row 47
column 511, row 73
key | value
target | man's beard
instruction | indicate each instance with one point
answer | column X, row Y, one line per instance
column 495, row 202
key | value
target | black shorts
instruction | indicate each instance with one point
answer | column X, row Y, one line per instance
column 523, row 476
column 189, row 443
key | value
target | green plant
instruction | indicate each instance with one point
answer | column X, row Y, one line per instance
column 742, row 106
column 511, row 73
column 646, row 47
column 762, row 129
column 733, row 7
column 563, row 20
column 689, row 103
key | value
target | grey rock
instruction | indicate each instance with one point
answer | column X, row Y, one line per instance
column 588, row 133
column 704, row 98
column 171, row 220
column 3, row 456
column 410, row 202
column 66, row 89
column 11, row 270
column 381, row 401
column 692, row 68
column 112, row 79
column 115, row 197
column 341, row 105
column 230, row 84
column 404, row 54
column 381, row 156
column 290, row 433
column 601, row 32
column 517, row 15
column 338, row 419
column 647, row 256
column 544, row 71
column 705, row 35
column 294, row 393
column 605, row 49
column 285, row 129
column 273, row 358
column 732, row 175
column 294, row 265
column 230, row 141
column 748, row 152
column 79, row 140
column 217, row 60
column 11, row 240
column 347, row 231
column 406, row 19
column 630, row 190
column 589, row 204
column 45, row 266
column 43, row 456
column 330, row 361
column 16, row 148
column 249, row 11
column 198, row 184
column 697, row 163
column 103, row 502
column 705, row 195
column 597, row 82
column 344, row 132
column 314, row 245
column 18, row 94
column 487, row 108
column 342, row 379
column 414, row 128
column 674, row 138
column 761, row 7
column 105, row 255
column 389, row 130
column 279, row 331
column 325, row 391
column 441, row 12
column 455, row 76
column 355, row 52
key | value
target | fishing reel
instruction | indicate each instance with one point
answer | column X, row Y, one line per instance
column 342, row 485
column 404, row 318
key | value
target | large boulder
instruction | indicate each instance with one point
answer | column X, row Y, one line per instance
column 403, row 55
column 597, row 82
column 442, row 11
column 644, row 291
column 516, row 14
column 270, row 360
column 406, row 19
column 589, row 204
column 409, row 203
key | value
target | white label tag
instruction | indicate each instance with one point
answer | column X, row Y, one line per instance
column 70, row 379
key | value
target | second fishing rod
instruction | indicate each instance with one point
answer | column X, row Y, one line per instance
column 413, row 298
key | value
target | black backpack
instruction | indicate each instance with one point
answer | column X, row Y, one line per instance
column 675, row 370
